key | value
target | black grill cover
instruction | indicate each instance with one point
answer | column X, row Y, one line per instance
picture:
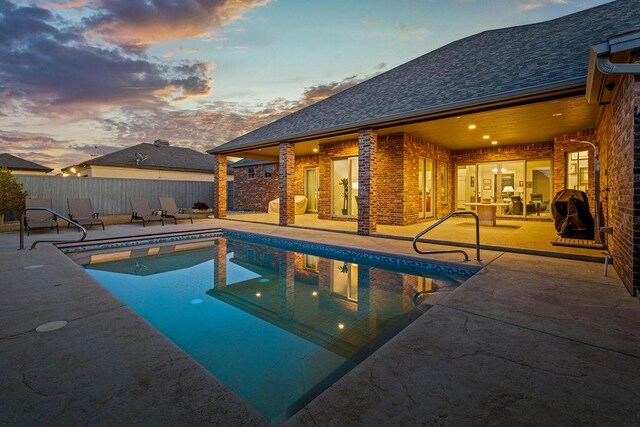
column 570, row 209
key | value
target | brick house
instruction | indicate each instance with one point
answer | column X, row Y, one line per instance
column 500, row 115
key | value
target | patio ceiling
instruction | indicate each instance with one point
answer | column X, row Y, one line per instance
column 533, row 122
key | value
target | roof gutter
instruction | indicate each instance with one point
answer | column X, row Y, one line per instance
column 610, row 60
column 519, row 97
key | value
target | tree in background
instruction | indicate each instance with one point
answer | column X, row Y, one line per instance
column 11, row 193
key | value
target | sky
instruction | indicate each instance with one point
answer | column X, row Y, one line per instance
column 80, row 78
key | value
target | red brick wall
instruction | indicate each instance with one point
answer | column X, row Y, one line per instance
column 302, row 163
column 503, row 153
column 391, row 179
column 254, row 194
column 618, row 133
column 413, row 149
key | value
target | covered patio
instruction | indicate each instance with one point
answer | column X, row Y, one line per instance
column 532, row 237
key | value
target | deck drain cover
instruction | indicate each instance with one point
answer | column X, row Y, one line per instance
column 32, row 267
column 51, row 326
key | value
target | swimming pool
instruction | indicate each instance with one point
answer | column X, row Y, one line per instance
column 277, row 321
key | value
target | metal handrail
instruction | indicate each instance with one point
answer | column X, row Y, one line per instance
column 452, row 214
column 56, row 214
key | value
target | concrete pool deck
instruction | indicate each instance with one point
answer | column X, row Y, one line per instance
column 528, row 339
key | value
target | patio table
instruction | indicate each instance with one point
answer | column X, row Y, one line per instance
column 487, row 212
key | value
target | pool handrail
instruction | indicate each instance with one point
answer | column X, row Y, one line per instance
column 432, row 226
column 56, row 215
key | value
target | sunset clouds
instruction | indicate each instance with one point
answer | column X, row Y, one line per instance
column 87, row 77
column 136, row 24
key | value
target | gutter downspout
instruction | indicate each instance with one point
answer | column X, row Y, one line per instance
column 605, row 66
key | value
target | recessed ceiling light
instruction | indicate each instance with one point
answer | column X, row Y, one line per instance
column 315, row 150
column 485, row 137
column 472, row 127
column 494, row 142
column 556, row 114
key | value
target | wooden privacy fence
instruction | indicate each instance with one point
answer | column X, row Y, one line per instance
column 111, row 195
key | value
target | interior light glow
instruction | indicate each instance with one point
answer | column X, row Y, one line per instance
column 315, row 150
column 494, row 170
column 494, row 142
column 556, row 114
column 485, row 137
column 73, row 170
column 472, row 127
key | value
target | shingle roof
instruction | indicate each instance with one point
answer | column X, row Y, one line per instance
column 251, row 162
column 490, row 65
column 164, row 157
column 10, row 161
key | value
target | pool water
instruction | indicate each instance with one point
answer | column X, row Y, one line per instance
column 276, row 326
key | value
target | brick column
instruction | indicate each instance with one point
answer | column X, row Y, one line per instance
column 367, row 191
column 220, row 264
column 287, row 171
column 367, row 322
column 286, row 287
column 220, row 185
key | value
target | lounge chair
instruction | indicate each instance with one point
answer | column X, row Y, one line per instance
column 140, row 210
column 171, row 210
column 81, row 211
column 39, row 219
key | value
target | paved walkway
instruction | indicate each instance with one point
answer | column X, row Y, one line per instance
column 527, row 340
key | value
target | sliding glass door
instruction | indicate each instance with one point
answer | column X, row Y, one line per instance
column 525, row 186
column 425, row 188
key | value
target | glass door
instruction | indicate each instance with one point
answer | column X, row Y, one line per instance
column 466, row 187
column 511, row 188
column 538, row 191
column 425, row 188
column 344, row 175
column 311, row 176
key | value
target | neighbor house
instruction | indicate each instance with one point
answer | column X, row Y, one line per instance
column 19, row 166
column 159, row 160
column 503, row 116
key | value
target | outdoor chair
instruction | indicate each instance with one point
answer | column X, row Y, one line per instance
column 171, row 210
column 140, row 210
column 81, row 211
column 39, row 219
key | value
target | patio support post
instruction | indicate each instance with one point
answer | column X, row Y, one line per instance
column 220, row 185
column 286, row 287
column 287, row 170
column 220, row 264
column 367, row 191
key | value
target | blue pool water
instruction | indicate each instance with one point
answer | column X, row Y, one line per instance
column 276, row 326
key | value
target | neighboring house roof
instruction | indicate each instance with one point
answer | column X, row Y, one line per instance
column 251, row 162
column 230, row 167
column 163, row 157
column 10, row 161
column 489, row 66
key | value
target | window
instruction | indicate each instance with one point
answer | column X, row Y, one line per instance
column 251, row 173
column 443, row 182
column 267, row 259
column 578, row 170
column 268, row 171
column 311, row 262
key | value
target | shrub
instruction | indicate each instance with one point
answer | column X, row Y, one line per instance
column 11, row 193
column 200, row 205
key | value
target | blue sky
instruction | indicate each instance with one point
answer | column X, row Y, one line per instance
column 84, row 77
